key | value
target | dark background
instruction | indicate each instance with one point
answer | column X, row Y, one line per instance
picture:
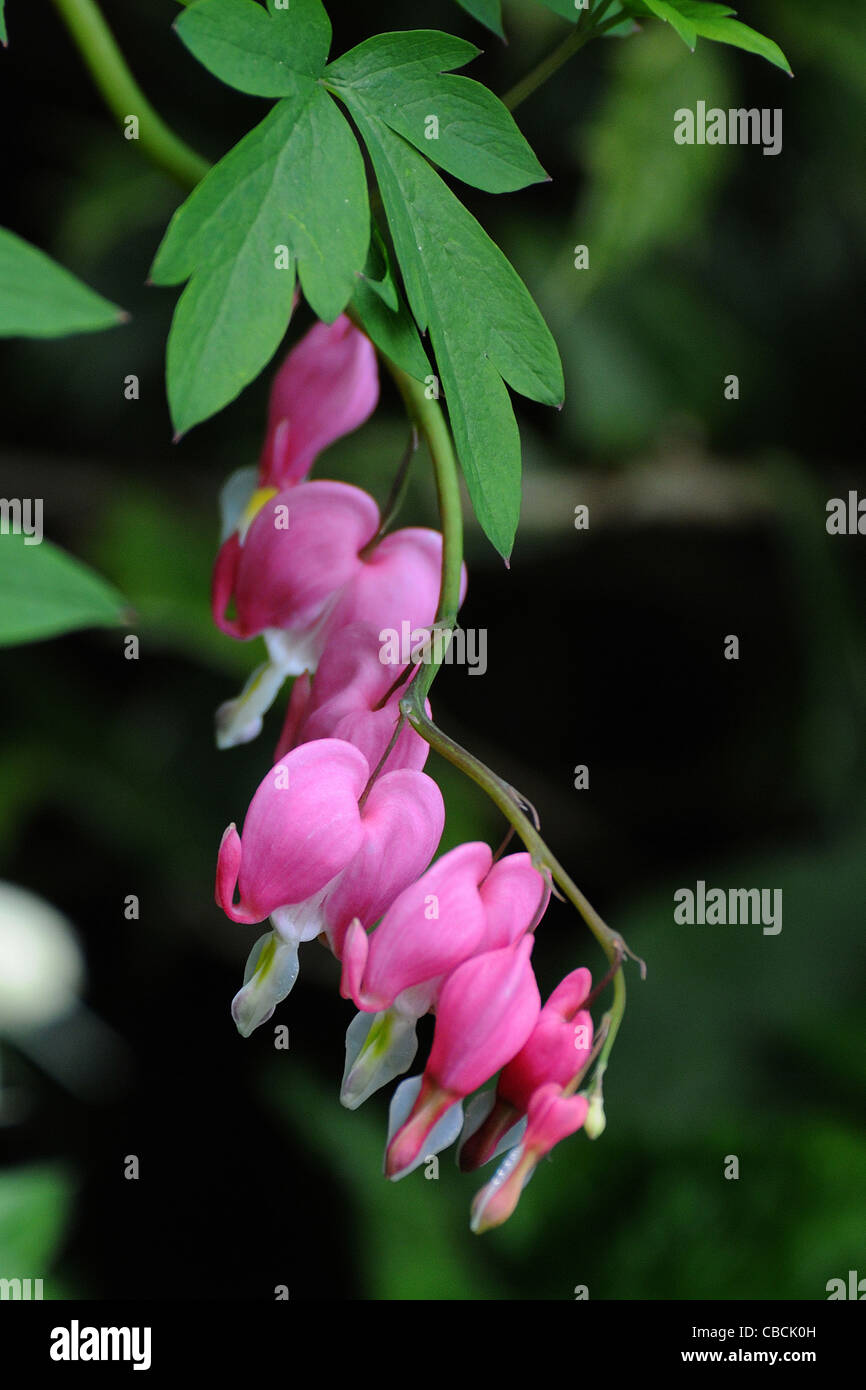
column 707, row 518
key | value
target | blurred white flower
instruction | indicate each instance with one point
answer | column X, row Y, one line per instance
column 41, row 965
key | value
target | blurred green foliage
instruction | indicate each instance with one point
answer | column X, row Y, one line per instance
column 35, row 1205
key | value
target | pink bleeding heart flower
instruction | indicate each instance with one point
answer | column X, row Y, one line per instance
column 402, row 822
column 298, row 550
column 300, row 595
column 302, row 828
column 400, row 969
column 327, row 386
column 345, row 701
column 553, row 1116
column 313, row 859
column 556, row 1051
column 428, row 930
column 398, row 584
column 486, row 1010
column 515, row 897
column 284, row 567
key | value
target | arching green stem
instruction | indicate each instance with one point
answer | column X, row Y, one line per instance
column 122, row 94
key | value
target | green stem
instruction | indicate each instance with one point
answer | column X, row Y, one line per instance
column 427, row 416
column 503, row 796
column 587, row 28
column 431, row 424
column 122, row 94
column 396, row 497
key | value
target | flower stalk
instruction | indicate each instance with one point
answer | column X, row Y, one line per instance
column 122, row 94
column 124, row 97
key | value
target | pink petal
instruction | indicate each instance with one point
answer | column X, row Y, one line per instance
column 349, row 685
column 402, row 823
column 299, row 704
column 398, row 583
column 286, row 575
column 515, row 896
column 303, row 826
column 432, row 926
column 486, row 1011
column 327, row 387
column 223, row 583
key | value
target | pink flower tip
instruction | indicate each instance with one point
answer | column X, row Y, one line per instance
column 404, row 1148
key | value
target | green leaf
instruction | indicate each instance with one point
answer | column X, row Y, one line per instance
column 704, row 9
column 457, row 123
column 34, row 1209
column 671, row 15
column 563, row 7
column 296, row 181
column 714, row 22
column 566, row 8
column 741, row 36
column 620, row 29
column 377, row 273
column 258, row 53
column 39, row 299
column 44, row 591
column 391, row 329
column 4, row 37
column 383, row 315
column 484, row 326
column 487, row 12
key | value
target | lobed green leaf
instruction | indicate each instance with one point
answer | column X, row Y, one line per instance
column 296, row 181
column 693, row 19
column 484, row 326
column 721, row 28
column 259, row 53
column 457, row 123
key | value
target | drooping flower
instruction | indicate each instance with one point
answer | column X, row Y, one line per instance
column 345, row 700
column 298, row 577
column 402, row 821
column 397, row 584
column 312, row 858
column 552, row 1118
column 486, row 1010
column 297, row 551
column 430, row 928
column 327, row 386
column 461, row 907
column 515, row 896
column 556, row 1051
column 302, row 828
column 283, row 569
